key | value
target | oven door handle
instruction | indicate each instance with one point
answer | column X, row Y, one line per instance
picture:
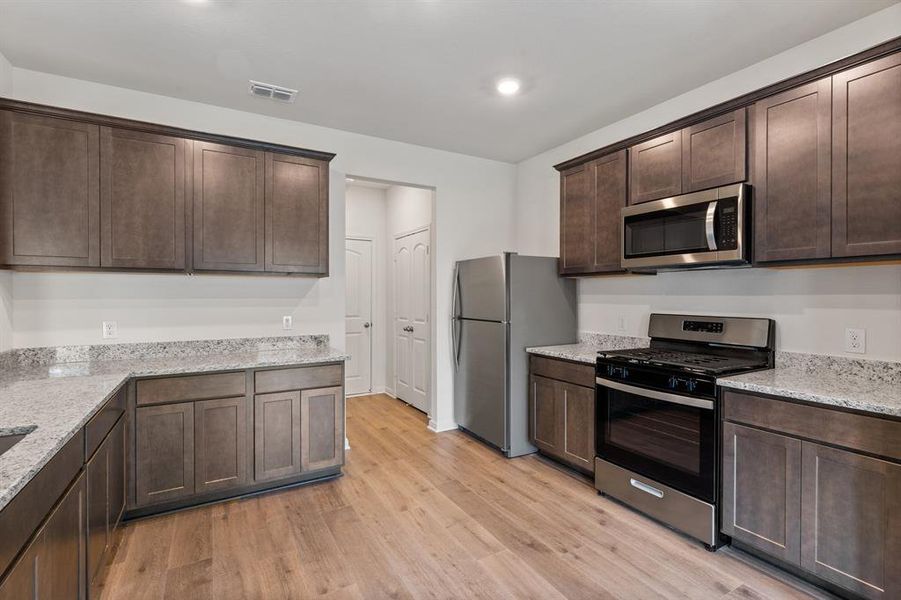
column 656, row 395
column 708, row 226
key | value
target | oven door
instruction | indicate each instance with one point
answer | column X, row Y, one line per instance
column 704, row 227
column 667, row 437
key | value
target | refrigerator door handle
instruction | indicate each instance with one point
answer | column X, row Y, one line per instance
column 456, row 324
column 456, row 313
column 455, row 317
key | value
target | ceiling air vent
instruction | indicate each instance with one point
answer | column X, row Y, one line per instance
column 273, row 92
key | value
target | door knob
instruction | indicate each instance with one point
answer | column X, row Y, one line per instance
column 367, row 325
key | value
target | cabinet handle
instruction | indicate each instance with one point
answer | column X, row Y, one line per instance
column 646, row 488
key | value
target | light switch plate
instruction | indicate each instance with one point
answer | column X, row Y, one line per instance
column 856, row 340
column 109, row 329
column 287, row 322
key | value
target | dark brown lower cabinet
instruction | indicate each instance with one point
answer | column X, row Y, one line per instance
column 164, row 453
column 561, row 413
column 762, row 490
column 52, row 566
column 220, row 444
column 851, row 520
column 105, row 480
column 321, row 428
column 276, row 435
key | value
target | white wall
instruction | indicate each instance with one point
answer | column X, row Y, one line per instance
column 812, row 306
column 66, row 308
column 6, row 279
column 366, row 217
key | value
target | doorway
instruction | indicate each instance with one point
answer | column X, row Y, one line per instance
column 388, row 250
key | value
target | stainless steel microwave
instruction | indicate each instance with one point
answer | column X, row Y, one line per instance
column 700, row 229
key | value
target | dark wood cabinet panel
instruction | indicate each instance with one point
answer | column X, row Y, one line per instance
column 143, row 181
column 20, row 581
column 117, row 474
column 576, row 243
column 276, row 435
column 866, row 159
column 97, row 472
column 164, row 453
column 608, row 193
column 714, row 152
column 220, row 438
column 578, row 424
column 762, row 490
column 790, row 174
column 655, row 168
column 851, row 521
column 228, row 208
column 546, row 419
column 49, row 191
column 321, row 428
column 60, row 566
column 296, row 214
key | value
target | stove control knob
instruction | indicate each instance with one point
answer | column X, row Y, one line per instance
column 673, row 383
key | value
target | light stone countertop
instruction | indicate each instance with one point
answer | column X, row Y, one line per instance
column 586, row 351
column 54, row 401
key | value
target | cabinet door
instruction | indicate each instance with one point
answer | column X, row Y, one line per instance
column 655, row 168
column 762, row 490
column 866, row 159
column 576, row 244
column 276, row 434
column 851, row 521
column 142, row 200
column 608, row 194
column 296, row 214
column 321, row 428
column 714, row 152
column 546, row 415
column 220, row 438
column 49, row 191
column 790, row 173
column 117, row 474
column 164, row 456
column 97, row 474
column 578, row 425
column 228, row 208
column 61, row 562
column 20, row 581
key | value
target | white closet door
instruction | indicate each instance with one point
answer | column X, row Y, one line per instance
column 358, row 316
column 412, row 302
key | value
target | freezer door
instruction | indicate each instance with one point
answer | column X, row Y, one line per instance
column 481, row 289
column 480, row 380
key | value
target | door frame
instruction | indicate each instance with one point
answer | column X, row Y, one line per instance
column 364, row 238
column 430, row 395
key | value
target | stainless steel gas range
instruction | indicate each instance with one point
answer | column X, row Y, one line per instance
column 658, row 440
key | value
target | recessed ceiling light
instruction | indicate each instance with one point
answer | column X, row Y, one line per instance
column 508, row 86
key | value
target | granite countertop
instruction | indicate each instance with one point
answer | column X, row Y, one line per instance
column 586, row 351
column 821, row 386
column 52, row 402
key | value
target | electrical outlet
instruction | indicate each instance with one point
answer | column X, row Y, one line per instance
column 856, row 340
column 287, row 322
column 109, row 329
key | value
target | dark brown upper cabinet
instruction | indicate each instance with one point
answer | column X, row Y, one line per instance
column 575, row 221
column 143, row 185
column 714, row 152
column 228, row 208
column 296, row 214
column 49, row 191
column 655, row 168
column 607, row 180
column 790, row 172
column 866, row 159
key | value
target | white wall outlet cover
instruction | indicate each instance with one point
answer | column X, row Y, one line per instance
column 287, row 322
column 109, row 329
column 856, row 340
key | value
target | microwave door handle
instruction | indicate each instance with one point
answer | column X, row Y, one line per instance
column 708, row 226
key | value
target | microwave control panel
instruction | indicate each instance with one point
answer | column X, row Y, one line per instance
column 728, row 225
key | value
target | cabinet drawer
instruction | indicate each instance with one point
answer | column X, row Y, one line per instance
column 191, row 387
column 101, row 423
column 857, row 432
column 299, row 378
column 576, row 373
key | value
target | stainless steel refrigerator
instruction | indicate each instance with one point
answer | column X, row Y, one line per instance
column 501, row 306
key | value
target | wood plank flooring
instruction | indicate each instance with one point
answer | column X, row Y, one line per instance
column 425, row 515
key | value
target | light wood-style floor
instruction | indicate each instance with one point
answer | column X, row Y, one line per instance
column 424, row 515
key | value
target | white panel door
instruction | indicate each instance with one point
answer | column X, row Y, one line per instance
column 411, row 329
column 358, row 316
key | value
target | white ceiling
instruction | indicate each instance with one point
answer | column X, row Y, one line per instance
column 420, row 71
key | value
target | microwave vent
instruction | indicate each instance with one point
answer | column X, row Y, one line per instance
column 272, row 92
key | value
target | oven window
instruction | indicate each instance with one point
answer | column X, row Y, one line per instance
column 671, row 231
column 666, row 433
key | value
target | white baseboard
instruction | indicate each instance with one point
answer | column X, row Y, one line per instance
column 439, row 427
